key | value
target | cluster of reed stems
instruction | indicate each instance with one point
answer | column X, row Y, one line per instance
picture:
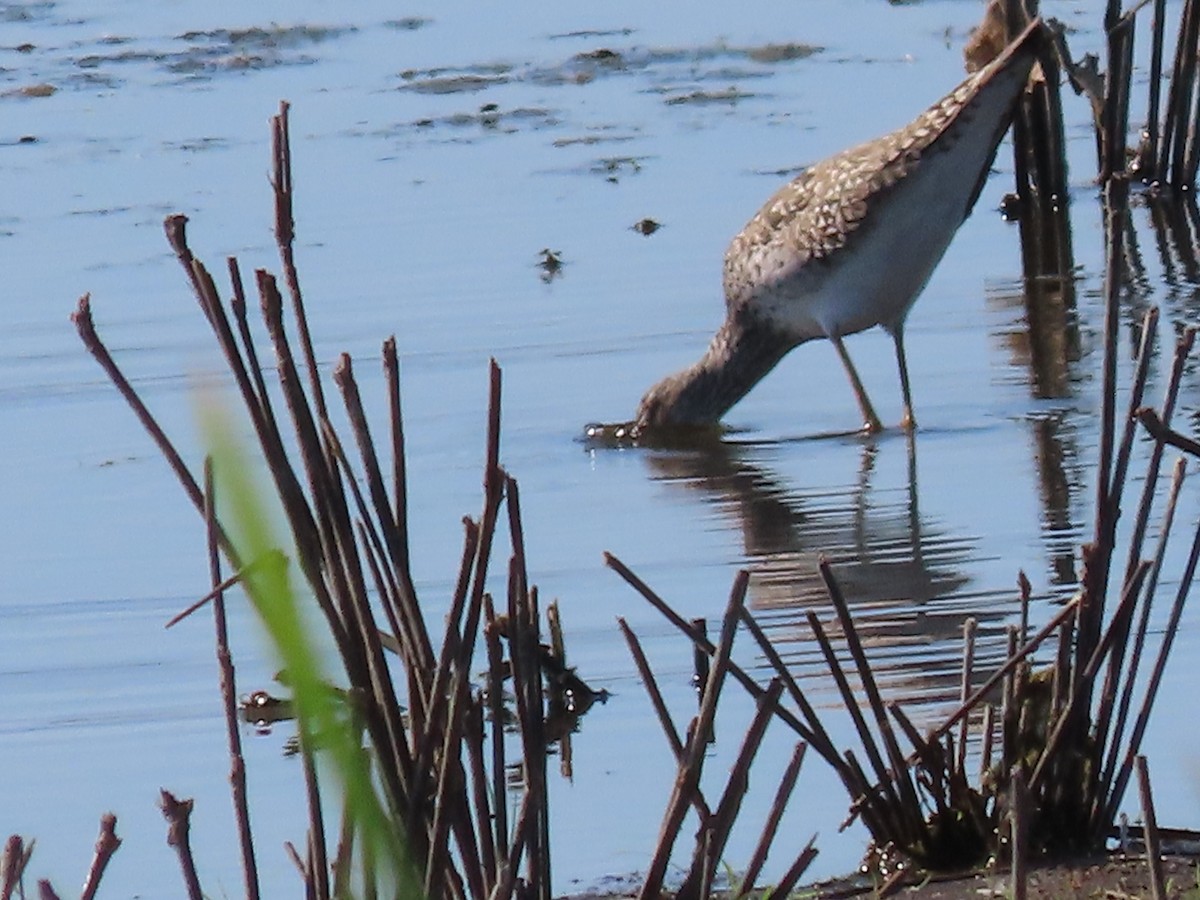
column 438, row 753
column 1057, row 742
column 715, row 822
column 1055, row 753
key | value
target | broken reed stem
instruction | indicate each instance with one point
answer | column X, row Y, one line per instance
column 228, row 684
column 1120, row 627
column 752, row 687
column 558, row 649
column 1107, row 505
column 1150, row 156
column 1145, row 352
column 343, row 858
column 1115, row 112
column 314, row 528
column 1158, row 888
column 774, row 815
column 867, row 677
column 1135, row 658
column 508, row 875
column 317, row 861
column 521, row 662
column 1019, row 823
column 285, row 235
column 106, row 845
column 1009, row 707
column 989, row 727
column 84, row 324
column 438, row 859
column 1024, row 595
column 650, row 683
column 1078, row 705
column 968, row 666
column 441, row 697
column 700, row 663
column 898, row 818
column 1183, row 348
column 794, row 873
column 717, row 828
column 821, row 741
column 12, row 865
column 1117, row 788
column 178, row 815
column 218, row 589
column 1179, row 101
column 687, row 780
column 496, row 711
column 1154, row 425
column 527, row 680
column 474, row 740
column 401, row 562
column 399, row 603
column 365, row 666
column 301, row 869
column 1013, row 660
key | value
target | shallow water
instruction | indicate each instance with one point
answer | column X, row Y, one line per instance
column 436, row 153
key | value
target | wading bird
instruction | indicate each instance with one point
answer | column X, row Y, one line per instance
column 849, row 244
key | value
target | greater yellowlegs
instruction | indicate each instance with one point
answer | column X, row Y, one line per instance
column 849, row 244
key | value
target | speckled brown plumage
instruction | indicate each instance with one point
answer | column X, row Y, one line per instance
column 849, row 244
column 815, row 215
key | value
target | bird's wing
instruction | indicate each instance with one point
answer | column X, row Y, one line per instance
column 814, row 215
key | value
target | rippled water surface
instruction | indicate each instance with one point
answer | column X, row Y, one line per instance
column 438, row 151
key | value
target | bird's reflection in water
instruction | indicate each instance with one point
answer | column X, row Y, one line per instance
column 906, row 579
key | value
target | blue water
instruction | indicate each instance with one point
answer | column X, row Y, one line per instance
column 421, row 214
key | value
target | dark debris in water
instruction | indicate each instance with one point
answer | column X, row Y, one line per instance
column 592, row 33
column 408, row 23
column 219, row 50
column 27, row 12
column 456, row 80
column 551, row 264
column 717, row 61
column 451, row 84
column 32, row 91
column 777, row 53
column 491, row 116
column 646, row 226
column 729, row 95
column 603, row 134
column 101, row 212
column 198, row 145
column 612, row 167
column 274, row 37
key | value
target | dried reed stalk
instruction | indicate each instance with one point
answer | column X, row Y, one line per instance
column 178, row 815
column 106, row 845
column 228, row 685
column 715, row 823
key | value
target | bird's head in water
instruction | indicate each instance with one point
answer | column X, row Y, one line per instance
column 674, row 401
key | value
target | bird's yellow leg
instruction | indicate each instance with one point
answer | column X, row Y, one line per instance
column 908, row 423
column 871, row 423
